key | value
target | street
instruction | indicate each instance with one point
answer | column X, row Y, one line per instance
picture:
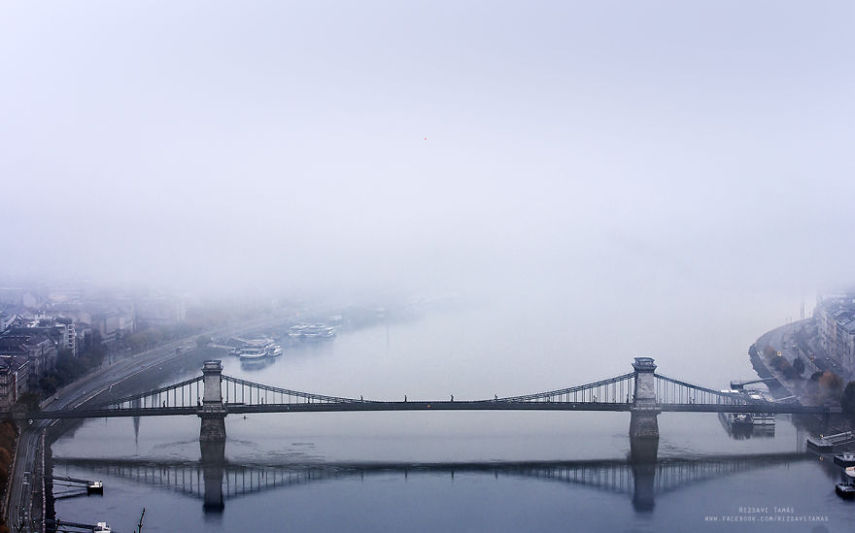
column 22, row 514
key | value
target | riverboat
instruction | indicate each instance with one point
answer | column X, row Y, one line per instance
column 846, row 488
column 761, row 419
column 252, row 354
column 845, row 459
column 311, row 331
column 274, row 350
column 737, row 425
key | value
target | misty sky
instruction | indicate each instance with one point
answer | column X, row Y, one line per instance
column 429, row 145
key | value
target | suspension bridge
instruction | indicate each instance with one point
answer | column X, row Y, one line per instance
column 642, row 392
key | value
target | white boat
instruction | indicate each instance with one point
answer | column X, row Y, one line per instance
column 761, row 419
column 732, row 420
column 102, row 527
column 274, row 350
column 311, row 331
column 252, row 354
column 737, row 425
column 95, row 487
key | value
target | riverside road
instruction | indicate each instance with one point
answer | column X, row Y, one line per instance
column 20, row 509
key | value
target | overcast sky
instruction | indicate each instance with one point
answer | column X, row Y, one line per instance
column 428, row 145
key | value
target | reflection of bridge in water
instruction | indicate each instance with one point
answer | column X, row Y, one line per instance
column 642, row 477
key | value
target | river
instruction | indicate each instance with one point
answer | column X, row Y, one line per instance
column 472, row 471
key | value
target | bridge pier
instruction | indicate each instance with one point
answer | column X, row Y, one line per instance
column 213, row 464
column 213, row 427
column 211, row 410
column 644, row 422
column 642, row 459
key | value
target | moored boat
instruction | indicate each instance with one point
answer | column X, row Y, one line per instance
column 761, row 419
column 846, row 488
column 737, row 425
column 845, row 459
column 311, row 331
column 252, row 354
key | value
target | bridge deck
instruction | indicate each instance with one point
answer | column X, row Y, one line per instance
column 488, row 405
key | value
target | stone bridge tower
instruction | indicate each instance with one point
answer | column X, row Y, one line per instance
column 212, row 411
column 644, row 423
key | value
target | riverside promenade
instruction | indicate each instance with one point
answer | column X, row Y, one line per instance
column 793, row 341
column 783, row 340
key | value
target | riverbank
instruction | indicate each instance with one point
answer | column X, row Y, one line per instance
column 143, row 366
column 780, row 342
column 789, row 343
column 8, row 447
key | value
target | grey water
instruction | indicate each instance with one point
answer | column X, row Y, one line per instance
column 473, row 471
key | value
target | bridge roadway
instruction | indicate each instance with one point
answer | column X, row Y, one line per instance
column 479, row 405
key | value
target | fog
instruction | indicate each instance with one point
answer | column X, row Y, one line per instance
column 538, row 149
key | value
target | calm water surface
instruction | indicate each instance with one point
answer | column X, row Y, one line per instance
column 524, row 471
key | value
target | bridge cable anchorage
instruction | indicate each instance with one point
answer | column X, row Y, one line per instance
column 618, row 389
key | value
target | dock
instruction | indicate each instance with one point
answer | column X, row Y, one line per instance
column 76, row 487
column 827, row 443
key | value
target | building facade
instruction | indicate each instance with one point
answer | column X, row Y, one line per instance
column 835, row 321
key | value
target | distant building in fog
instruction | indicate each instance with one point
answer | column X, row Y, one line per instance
column 160, row 310
column 113, row 325
column 36, row 347
column 835, row 320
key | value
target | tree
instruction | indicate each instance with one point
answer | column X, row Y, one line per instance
column 787, row 369
column 799, row 366
column 830, row 380
column 202, row 341
column 847, row 402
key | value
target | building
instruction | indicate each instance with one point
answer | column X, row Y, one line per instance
column 14, row 379
column 7, row 319
column 835, row 321
column 36, row 347
column 114, row 325
column 68, row 334
column 160, row 311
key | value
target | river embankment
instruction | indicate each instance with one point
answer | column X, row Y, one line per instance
column 790, row 342
column 125, row 376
